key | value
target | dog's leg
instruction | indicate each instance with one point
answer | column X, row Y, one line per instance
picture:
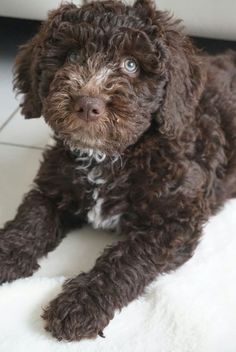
column 89, row 301
column 35, row 231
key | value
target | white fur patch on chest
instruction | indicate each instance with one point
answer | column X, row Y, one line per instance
column 94, row 176
column 96, row 219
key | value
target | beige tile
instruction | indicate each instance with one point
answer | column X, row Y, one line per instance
column 18, row 166
column 32, row 132
column 8, row 101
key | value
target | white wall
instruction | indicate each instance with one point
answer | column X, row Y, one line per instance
column 209, row 18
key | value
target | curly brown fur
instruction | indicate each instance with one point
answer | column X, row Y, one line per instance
column 159, row 161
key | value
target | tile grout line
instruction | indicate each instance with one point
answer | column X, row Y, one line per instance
column 8, row 119
column 21, row 145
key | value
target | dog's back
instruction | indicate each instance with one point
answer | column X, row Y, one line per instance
column 217, row 112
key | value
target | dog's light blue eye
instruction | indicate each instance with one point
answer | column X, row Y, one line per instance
column 76, row 56
column 130, row 66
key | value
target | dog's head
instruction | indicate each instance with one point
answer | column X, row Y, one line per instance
column 103, row 73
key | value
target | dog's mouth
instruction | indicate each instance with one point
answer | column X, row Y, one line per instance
column 88, row 134
column 79, row 133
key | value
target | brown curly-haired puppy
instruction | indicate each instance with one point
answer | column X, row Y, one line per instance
column 145, row 132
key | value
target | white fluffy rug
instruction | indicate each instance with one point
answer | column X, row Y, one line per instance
column 191, row 310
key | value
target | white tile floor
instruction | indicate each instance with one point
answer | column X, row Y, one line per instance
column 21, row 145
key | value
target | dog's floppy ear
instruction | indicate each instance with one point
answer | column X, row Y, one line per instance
column 26, row 78
column 28, row 71
column 184, row 84
column 182, row 69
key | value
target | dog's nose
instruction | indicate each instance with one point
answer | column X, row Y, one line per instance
column 89, row 108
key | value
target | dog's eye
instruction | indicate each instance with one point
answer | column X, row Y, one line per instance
column 75, row 56
column 130, row 66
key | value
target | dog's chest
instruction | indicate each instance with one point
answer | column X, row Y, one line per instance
column 91, row 166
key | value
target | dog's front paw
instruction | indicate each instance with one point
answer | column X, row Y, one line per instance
column 13, row 267
column 80, row 311
column 15, row 262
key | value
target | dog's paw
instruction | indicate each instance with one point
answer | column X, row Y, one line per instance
column 14, row 262
column 12, row 268
column 78, row 312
